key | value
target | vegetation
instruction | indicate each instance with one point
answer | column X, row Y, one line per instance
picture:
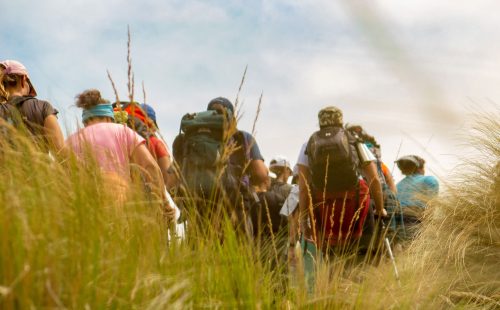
column 66, row 242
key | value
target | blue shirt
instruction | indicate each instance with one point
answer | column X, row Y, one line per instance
column 417, row 190
column 253, row 151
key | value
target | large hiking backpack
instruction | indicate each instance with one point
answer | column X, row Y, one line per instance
column 137, row 118
column 333, row 160
column 199, row 150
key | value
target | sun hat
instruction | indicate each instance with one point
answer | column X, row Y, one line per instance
column 17, row 68
column 279, row 162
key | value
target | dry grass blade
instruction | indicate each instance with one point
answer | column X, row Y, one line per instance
column 130, row 73
column 118, row 105
column 237, row 100
column 143, row 93
column 257, row 114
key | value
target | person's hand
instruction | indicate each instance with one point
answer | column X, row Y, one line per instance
column 292, row 256
column 169, row 212
column 381, row 214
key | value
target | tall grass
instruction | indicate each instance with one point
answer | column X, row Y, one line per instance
column 66, row 243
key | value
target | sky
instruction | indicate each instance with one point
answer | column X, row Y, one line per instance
column 411, row 72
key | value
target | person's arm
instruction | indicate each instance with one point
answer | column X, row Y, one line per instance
column 304, row 203
column 258, row 171
column 371, row 175
column 54, row 135
column 164, row 164
column 390, row 182
column 142, row 157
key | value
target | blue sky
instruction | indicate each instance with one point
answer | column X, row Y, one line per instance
column 409, row 71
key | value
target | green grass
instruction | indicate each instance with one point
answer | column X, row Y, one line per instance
column 64, row 243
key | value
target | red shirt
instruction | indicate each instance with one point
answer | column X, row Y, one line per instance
column 157, row 147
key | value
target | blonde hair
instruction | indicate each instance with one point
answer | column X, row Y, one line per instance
column 3, row 93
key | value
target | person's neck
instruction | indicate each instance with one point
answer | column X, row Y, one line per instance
column 16, row 93
column 97, row 121
column 281, row 179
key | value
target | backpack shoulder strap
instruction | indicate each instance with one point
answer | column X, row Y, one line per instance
column 241, row 142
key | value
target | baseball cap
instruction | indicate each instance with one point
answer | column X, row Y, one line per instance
column 150, row 112
column 330, row 116
column 279, row 162
column 17, row 68
column 222, row 101
column 411, row 159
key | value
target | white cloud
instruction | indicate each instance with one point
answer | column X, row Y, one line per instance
column 302, row 54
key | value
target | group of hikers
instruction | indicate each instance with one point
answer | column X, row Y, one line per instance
column 339, row 194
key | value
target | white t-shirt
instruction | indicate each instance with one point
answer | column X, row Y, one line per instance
column 303, row 159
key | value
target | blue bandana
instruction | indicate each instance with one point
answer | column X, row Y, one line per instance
column 105, row 109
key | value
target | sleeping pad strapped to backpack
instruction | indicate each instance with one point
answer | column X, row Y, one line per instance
column 340, row 198
column 137, row 119
column 199, row 149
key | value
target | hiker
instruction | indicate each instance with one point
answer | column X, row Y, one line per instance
column 142, row 119
column 290, row 210
column 38, row 116
column 414, row 191
column 218, row 164
column 374, row 148
column 370, row 239
column 256, row 170
column 114, row 147
column 266, row 219
column 329, row 173
column 280, row 166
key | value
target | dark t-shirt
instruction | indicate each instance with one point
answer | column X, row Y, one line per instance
column 253, row 151
column 34, row 112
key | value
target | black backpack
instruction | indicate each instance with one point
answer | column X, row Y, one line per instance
column 262, row 222
column 199, row 150
column 333, row 160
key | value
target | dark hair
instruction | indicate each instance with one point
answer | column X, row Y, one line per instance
column 89, row 98
column 409, row 166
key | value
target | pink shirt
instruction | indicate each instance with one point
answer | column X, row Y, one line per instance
column 110, row 144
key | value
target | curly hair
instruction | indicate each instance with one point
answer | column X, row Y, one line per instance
column 89, row 98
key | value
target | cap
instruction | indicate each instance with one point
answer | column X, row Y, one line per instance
column 222, row 101
column 409, row 159
column 149, row 111
column 17, row 68
column 279, row 162
column 330, row 116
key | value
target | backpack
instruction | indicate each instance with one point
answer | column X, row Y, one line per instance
column 12, row 117
column 263, row 225
column 136, row 119
column 199, row 150
column 333, row 160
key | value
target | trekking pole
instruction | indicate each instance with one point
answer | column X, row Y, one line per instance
column 389, row 250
